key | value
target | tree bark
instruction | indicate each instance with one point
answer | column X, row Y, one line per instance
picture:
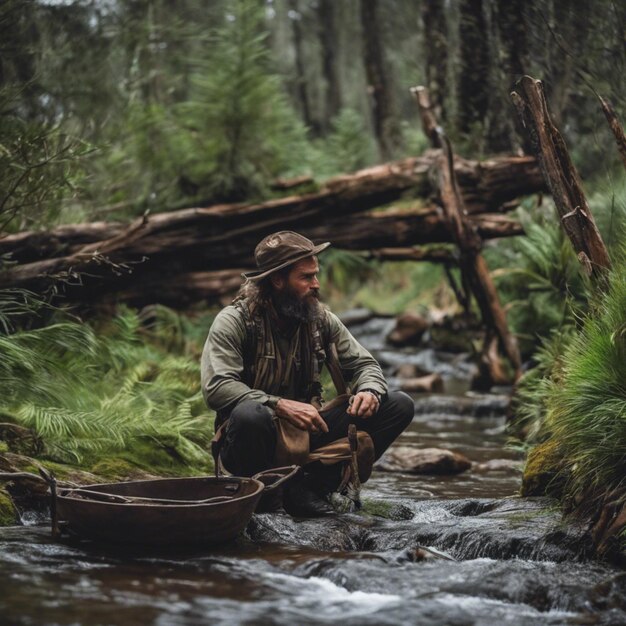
column 513, row 27
column 475, row 276
column 436, row 54
column 472, row 263
column 561, row 176
column 487, row 187
column 428, row 114
column 377, row 76
column 301, row 83
column 615, row 126
column 473, row 94
column 328, row 34
column 166, row 257
column 156, row 253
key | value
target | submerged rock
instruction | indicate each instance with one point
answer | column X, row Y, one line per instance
column 497, row 465
column 433, row 383
column 356, row 316
column 470, row 405
column 387, row 510
column 423, row 461
column 406, row 371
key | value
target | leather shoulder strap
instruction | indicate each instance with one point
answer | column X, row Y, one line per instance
column 334, row 367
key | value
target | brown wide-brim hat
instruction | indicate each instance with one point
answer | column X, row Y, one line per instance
column 279, row 250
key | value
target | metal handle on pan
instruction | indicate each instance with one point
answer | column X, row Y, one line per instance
column 287, row 472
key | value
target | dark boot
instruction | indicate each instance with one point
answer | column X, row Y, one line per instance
column 302, row 501
column 271, row 502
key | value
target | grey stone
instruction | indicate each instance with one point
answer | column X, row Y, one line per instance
column 423, row 461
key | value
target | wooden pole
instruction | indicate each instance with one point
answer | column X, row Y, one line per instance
column 474, row 270
column 472, row 262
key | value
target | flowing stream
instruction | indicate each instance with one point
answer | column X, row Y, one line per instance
column 510, row 560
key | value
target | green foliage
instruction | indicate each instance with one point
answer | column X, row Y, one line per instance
column 539, row 280
column 607, row 201
column 242, row 131
column 348, row 146
column 394, row 287
column 38, row 165
column 341, row 272
column 586, row 406
column 574, row 405
column 529, row 404
column 414, row 140
column 121, row 388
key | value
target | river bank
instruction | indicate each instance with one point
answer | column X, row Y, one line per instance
column 491, row 556
column 514, row 561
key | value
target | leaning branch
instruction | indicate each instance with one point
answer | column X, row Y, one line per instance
column 561, row 176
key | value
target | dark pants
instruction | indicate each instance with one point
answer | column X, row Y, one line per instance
column 250, row 439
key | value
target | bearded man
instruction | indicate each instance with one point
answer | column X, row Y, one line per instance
column 261, row 365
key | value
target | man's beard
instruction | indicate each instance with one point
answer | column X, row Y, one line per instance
column 289, row 305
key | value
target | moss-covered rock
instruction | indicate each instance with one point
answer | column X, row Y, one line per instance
column 543, row 473
column 116, row 468
column 20, row 440
column 451, row 339
column 387, row 510
column 8, row 513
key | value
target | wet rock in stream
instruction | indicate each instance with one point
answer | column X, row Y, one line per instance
column 408, row 330
column 469, row 405
column 501, row 529
column 542, row 586
column 423, row 461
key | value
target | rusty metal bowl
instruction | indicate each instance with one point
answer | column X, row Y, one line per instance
column 164, row 511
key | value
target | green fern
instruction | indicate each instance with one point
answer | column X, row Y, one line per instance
column 115, row 389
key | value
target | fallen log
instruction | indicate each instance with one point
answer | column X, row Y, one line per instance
column 490, row 186
column 172, row 265
column 173, row 257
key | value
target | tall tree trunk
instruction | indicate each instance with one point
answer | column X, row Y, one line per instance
column 378, row 79
column 512, row 26
column 328, row 33
column 473, row 93
column 436, row 54
column 303, row 96
column 568, row 38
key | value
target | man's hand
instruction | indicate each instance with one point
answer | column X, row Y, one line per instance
column 302, row 415
column 363, row 404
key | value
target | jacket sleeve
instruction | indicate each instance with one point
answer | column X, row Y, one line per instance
column 222, row 364
column 367, row 373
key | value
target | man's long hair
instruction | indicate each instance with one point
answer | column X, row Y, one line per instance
column 260, row 294
column 256, row 293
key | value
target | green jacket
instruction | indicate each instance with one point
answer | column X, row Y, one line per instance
column 226, row 354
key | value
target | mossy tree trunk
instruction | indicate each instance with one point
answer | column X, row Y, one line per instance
column 436, row 54
column 385, row 121
column 473, row 89
column 301, row 76
column 329, row 35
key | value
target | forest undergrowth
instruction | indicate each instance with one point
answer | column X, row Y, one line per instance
column 112, row 395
